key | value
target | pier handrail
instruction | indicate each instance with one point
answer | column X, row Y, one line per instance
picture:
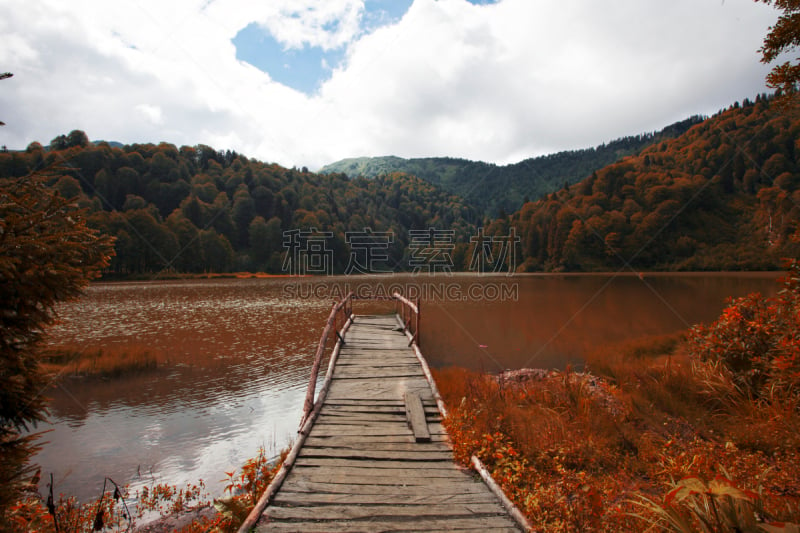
column 310, row 408
column 345, row 305
column 409, row 314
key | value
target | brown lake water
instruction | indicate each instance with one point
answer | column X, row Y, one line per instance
column 240, row 352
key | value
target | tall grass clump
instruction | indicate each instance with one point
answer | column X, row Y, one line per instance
column 106, row 362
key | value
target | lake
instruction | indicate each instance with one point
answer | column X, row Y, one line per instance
column 240, row 352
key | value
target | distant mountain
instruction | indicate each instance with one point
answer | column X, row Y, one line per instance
column 112, row 144
column 725, row 195
column 495, row 189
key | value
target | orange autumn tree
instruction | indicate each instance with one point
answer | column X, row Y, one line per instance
column 47, row 255
column 782, row 38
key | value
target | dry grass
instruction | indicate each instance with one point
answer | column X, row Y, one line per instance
column 582, row 452
column 109, row 362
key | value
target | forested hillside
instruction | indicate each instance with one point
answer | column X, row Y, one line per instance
column 193, row 209
column 723, row 196
column 493, row 189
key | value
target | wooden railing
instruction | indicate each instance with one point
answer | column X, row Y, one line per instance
column 409, row 315
column 341, row 313
column 343, row 308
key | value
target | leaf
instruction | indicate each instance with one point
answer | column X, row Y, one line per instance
column 685, row 487
column 721, row 486
column 780, row 527
column 224, row 507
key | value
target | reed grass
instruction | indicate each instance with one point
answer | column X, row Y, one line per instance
column 601, row 451
column 112, row 361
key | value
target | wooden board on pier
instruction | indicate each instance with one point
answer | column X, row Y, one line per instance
column 361, row 467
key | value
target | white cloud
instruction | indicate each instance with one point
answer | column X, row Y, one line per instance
column 151, row 113
column 499, row 82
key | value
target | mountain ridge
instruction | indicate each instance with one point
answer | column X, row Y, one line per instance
column 496, row 189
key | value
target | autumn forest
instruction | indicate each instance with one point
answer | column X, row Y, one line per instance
column 722, row 195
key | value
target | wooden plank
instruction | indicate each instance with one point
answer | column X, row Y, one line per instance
column 375, row 526
column 311, row 498
column 350, row 512
column 348, row 479
column 376, row 441
column 365, row 374
column 377, row 408
column 334, row 430
column 380, row 464
column 345, row 405
column 378, row 526
column 416, row 417
column 331, row 487
column 396, row 477
column 364, row 418
column 398, row 446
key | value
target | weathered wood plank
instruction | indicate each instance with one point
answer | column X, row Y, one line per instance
column 311, row 498
column 380, row 526
column 335, row 429
column 382, row 489
column 380, row 464
column 398, row 446
column 397, row 477
column 375, row 526
column 349, row 479
column 371, row 408
column 377, row 455
column 415, row 415
column 350, row 512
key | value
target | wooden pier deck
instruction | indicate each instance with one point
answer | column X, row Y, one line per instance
column 363, row 468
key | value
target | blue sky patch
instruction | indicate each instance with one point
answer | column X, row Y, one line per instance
column 382, row 12
column 306, row 69
column 301, row 69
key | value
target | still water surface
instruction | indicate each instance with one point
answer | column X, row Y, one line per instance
column 240, row 352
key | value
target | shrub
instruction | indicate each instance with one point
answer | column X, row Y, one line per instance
column 758, row 340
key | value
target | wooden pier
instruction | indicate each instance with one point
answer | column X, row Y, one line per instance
column 371, row 453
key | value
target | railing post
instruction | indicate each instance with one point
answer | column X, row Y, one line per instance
column 416, row 327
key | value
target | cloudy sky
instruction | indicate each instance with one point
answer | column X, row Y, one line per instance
column 308, row 82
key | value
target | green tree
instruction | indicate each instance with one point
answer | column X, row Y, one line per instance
column 259, row 240
column 190, row 258
column 47, row 255
column 217, row 251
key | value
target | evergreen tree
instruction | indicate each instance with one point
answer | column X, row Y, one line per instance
column 47, row 255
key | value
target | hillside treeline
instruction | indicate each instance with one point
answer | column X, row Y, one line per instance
column 722, row 196
column 194, row 209
column 498, row 189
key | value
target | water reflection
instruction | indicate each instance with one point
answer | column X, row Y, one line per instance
column 557, row 319
column 240, row 353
